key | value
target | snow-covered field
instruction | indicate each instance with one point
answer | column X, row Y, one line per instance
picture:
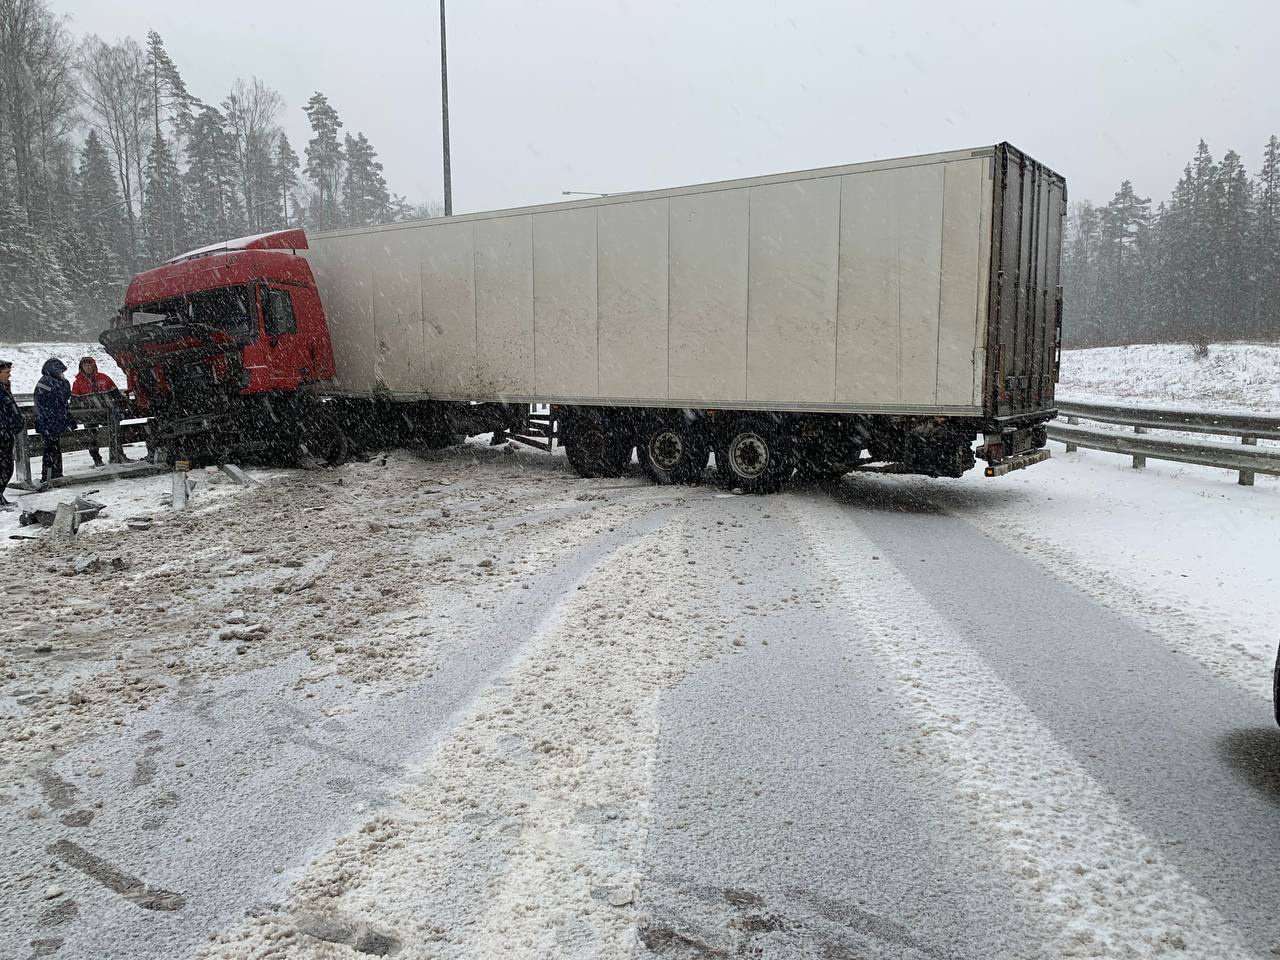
column 28, row 358
column 1234, row 376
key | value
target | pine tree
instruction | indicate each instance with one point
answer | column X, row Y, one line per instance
column 324, row 161
column 1233, row 275
column 99, row 207
column 216, row 210
column 1122, row 235
column 285, row 177
column 170, row 101
column 1266, row 246
column 365, row 200
column 95, row 247
column 163, row 212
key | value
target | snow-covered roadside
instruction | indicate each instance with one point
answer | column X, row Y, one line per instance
column 1098, row 883
column 1234, row 376
column 1181, row 549
column 352, row 566
column 524, row 834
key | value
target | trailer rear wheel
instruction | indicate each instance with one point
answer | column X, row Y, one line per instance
column 673, row 452
column 752, row 454
column 596, row 451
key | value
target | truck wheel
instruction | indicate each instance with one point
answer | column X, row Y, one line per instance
column 672, row 452
column 753, row 455
column 1275, row 687
column 331, row 447
column 596, row 451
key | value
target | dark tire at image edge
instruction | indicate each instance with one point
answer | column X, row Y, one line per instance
column 1275, row 687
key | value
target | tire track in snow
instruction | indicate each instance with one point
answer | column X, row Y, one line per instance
column 1097, row 881
column 526, row 834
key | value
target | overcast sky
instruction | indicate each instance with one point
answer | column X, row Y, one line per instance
column 610, row 95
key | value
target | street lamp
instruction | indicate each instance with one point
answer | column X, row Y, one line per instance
column 582, row 193
column 444, row 116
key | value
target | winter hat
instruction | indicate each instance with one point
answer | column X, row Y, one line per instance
column 5, row 363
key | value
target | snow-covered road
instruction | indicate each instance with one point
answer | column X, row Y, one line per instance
column 493, row 710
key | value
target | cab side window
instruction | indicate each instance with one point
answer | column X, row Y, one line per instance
column 279, row 313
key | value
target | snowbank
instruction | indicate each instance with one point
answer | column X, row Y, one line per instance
column 1241, row 376
column 28, row 358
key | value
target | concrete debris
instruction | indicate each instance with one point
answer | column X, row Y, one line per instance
column 238, row 475
column 621, row 897
column 234, row 631
column 87, row 563
column 45, row 510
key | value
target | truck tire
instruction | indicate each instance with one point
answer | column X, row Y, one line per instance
column 594, row 450
column 1275, row 687
column 752, row 454
column 672, row 451
column 330, row 446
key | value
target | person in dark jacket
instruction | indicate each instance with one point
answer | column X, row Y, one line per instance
column 10, row 424
column 53, row 395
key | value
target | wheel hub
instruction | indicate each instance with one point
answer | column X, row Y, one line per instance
column 749, row 455
column 666, row 449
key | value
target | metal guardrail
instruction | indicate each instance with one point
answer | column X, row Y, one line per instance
column 104, row 426
column 1245, row 457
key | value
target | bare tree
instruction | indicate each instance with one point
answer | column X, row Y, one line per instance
column 38, row 100
column 253, row 110
column 118, row 94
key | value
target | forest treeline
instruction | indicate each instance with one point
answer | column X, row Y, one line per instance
column 110, row 165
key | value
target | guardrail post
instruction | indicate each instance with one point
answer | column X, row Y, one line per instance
column 1139, row 460
column 1246, row 476
column 22, row 459
column 1073, row 421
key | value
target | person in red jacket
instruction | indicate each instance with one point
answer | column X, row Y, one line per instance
column 102, row 391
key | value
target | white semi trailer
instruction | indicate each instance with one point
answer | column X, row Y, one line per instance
column 817, row 321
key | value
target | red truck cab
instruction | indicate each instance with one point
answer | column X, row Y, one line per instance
column 253, row 293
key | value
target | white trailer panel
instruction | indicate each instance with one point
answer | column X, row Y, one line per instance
column 860, row 289
column 504, row 306
column 708, row 297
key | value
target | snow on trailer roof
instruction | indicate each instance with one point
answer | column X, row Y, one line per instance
column 275, row 240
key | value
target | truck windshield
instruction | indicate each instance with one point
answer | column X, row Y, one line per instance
column 225, row 308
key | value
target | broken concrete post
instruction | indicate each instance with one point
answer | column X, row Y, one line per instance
column 236, row 474
column 65, row 521
column 180, row 490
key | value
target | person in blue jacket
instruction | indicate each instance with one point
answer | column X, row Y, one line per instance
column 52, row 397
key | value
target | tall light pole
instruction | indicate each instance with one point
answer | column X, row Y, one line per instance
column 444, row 116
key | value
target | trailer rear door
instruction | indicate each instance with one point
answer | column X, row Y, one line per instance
column 1024, row 318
